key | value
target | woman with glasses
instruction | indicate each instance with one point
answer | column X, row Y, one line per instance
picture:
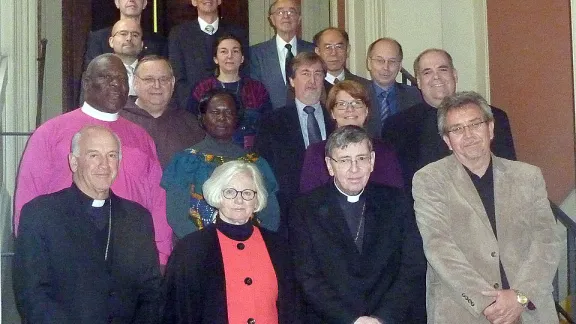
column 349, row 104
column 186, row 209
column 251, row 94
column 233, row 271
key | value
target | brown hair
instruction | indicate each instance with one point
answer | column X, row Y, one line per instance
column 353, row 88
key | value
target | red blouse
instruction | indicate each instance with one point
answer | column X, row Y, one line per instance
column 251, row 283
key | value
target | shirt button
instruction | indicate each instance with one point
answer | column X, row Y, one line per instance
column 240, row 246
column 496, row 285
column 251, row 321
column 248, row 281
column 493, row 254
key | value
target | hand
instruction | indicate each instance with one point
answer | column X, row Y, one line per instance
column 505, row 310
column 367, row 320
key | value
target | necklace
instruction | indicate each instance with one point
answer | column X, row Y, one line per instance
column 109, row 230
column 361, row 223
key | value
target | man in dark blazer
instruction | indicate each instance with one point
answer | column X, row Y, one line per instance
column 414, row 132
column 332, row 44
column 285, row 133
column 389, row 97
column 268, row 59
column 83, row 254
column 98, row 43
column 191, row 47
column 357, row 252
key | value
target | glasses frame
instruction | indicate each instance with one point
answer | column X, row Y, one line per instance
column 150, row 81
column 349, row 104
column 242, row 192
column 286, row 12
column 346, row 163
column 125, row 33
column 460, row 130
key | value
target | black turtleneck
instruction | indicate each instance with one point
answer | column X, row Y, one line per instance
column 235, row 232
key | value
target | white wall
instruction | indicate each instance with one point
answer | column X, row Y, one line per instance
column 51, row 29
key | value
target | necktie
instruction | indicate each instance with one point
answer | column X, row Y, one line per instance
column 287, row 63
column 314, row 134
column 336, row 81
column 209, row 29
column 384, row 106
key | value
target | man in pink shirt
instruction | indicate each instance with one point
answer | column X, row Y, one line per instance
column 44, row 168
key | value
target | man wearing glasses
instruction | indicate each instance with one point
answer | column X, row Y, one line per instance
column 414, row 132
column 488, row 230
column 126, row 42
column 270, row 60
column 171, row 128
column 332, row 44
column 357, row 252
column 389, row 97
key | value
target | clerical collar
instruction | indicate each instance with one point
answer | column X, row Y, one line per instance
column 100, row 115
column 349, row 198
column 98, row 202
column 89, row 201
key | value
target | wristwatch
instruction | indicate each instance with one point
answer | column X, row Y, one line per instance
column 521, row 298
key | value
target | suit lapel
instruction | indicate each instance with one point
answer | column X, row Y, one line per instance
column 292, row 127
column 333, row 218
column 502, row 190
column 468, row 191
column 273, row 63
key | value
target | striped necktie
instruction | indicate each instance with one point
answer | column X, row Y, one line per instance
column 287, row 63
column 384, row 106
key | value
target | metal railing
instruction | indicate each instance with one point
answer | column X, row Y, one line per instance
column 570, row 226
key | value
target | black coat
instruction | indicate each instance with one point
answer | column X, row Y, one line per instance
column 341, row 284
column 60, row 275
column 414, row 135
column 281, row 143
column 195, row 282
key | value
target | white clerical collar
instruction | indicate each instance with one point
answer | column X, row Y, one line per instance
column 98, row 202
column 330, row 78
column 100, row 115
column 349, row 198
column 203, row 25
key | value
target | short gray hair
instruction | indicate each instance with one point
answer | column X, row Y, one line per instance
column 344, row 136
column 75, row 146
column 223, row 174
column 459, row 100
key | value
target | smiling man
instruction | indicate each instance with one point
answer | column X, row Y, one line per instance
column 286, row 132
column 357, row 252
column 414, row 132
column 83, row 254
column 172, row 129
column 44, row 170
column 332, row 44
column 488, row 230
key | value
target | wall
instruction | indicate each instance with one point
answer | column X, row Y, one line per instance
column 51, row 29
column 531, row 77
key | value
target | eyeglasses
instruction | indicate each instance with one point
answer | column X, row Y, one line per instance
column 285, row 12
column 459, row 130
column 342, row 105
column 334, row 47
column 125, row 33
column 382, row 61
column 246, row 194
column 346, row 163
column 150, row 81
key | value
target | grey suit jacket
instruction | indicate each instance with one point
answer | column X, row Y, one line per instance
column 463, row 253
column 265, row 67
column 408, row 96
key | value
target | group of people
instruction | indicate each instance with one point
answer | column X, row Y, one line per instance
column 228, row 184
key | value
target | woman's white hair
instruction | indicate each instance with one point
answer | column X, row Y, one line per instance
column 220, row 180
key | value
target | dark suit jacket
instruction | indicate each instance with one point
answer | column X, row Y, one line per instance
column 414, row 134
column 195, row 285
column 407, row 96
column 60, row 275
column 265, row 67
column 187, row 51
column 341, row 284
column 97, row 44
column 348, row 76
column 281, row 143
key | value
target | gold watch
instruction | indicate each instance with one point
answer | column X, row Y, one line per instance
column 521, row 298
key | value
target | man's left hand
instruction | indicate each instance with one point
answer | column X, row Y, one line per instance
column 505, row 310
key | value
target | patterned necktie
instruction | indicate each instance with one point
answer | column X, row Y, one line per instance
column 209, row 29
column 287, row 63
column 314, row 134
column 336, row 81
column 384, row 106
